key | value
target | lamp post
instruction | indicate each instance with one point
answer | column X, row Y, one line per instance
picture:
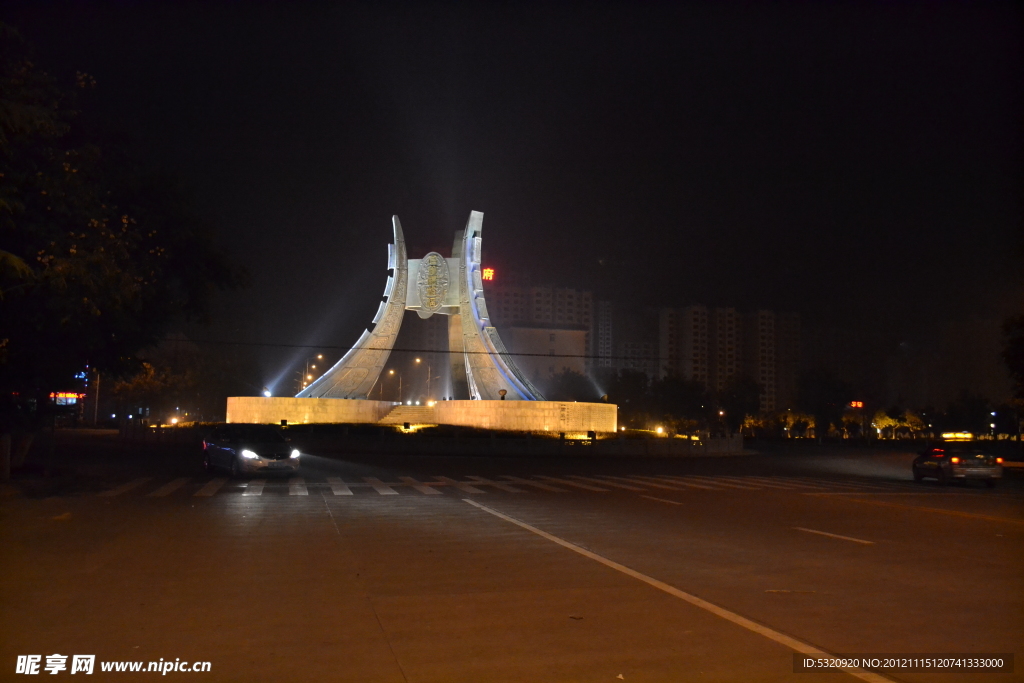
column 306, row 377
column 418, row 361
column 392, row 373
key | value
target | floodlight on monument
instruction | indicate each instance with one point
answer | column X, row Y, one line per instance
column 266, row 392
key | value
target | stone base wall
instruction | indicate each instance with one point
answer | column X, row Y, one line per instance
column 530, row 416
column 523, row 416
column 260, row 410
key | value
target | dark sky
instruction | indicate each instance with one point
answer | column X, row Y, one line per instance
column 856, row 162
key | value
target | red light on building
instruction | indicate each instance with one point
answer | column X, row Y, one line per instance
column 856, row 404
column 488, row 273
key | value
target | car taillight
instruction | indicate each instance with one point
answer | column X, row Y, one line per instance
column 954, row 460
column 999, row 461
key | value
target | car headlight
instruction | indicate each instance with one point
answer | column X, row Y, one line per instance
column 295, row 453
column 249, row 454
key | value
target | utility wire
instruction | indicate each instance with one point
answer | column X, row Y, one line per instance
column 217, row 342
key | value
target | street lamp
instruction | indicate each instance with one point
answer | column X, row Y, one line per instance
column 392, row 373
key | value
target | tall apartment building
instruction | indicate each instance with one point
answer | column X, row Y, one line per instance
column 787, row 359
column 520, row 303
column 602, row 339
column 759, row 354
column 725, row 347
column 719, row 345
column 683, row 343
column 516, row 306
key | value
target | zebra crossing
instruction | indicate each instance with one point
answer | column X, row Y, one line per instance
column 203, row 487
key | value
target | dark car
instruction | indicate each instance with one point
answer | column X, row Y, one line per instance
column 958, row 462
column 249, row 449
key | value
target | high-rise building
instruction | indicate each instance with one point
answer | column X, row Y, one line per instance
column 603, row 342
column 683, row 343
column 759, row 354
column 725, row 348
column 787, row 359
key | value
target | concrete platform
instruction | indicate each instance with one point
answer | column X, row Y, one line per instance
column 526, row 416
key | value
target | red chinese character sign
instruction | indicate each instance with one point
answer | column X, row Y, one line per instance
column 487, row 274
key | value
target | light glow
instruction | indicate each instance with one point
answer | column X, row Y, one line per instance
column 957, row 436
column 174, row 420
column 295, row 453
column 660, row 430
column 249, row 454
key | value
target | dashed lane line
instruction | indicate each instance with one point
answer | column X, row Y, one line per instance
column 825, row 533
column 422, row 488
column 133, row 484
column 496, row 484
column 686, row 482
column 380, row 487
column 712, row 481
column 569, row 482
column 211, row 487
column 465, row 488
column 750, row 625
column 338, row 487
column 605, row 482
column 940, row 511
column 297, row 487
column 661, row 500
column 650, row 481
column 255, row 487
column 169, row 488
column 534, row 484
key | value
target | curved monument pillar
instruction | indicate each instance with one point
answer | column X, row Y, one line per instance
column 481, row 365
column 355, row 374
column 488, row 366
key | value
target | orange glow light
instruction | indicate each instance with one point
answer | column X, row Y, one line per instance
column 488, row 273
column 954, row 459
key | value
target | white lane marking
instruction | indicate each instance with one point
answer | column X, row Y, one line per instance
column 427, row 490
column 760, row 482
column 169, row 487
column 825, row 533
column 380, row 487
column 496, row 484
column 211, row 487
column 868, row 493
column 716, row 481
column 255, row 487
column 605, row 482
column 687, row 482
column 297, row 487
column 338, row 487
column 535, row 484
column 459, row 485
column 771, row 634
column 134, row 483
column 663, row 500
column 825, row 483
column 651, row 481
column 568, row 482
column 777, row 482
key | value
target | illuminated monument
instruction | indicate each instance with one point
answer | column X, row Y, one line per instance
column 489, row 391
column 481, row 366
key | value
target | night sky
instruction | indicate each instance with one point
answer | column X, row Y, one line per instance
column 858, row 163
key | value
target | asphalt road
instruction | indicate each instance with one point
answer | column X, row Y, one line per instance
column 474, row 569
